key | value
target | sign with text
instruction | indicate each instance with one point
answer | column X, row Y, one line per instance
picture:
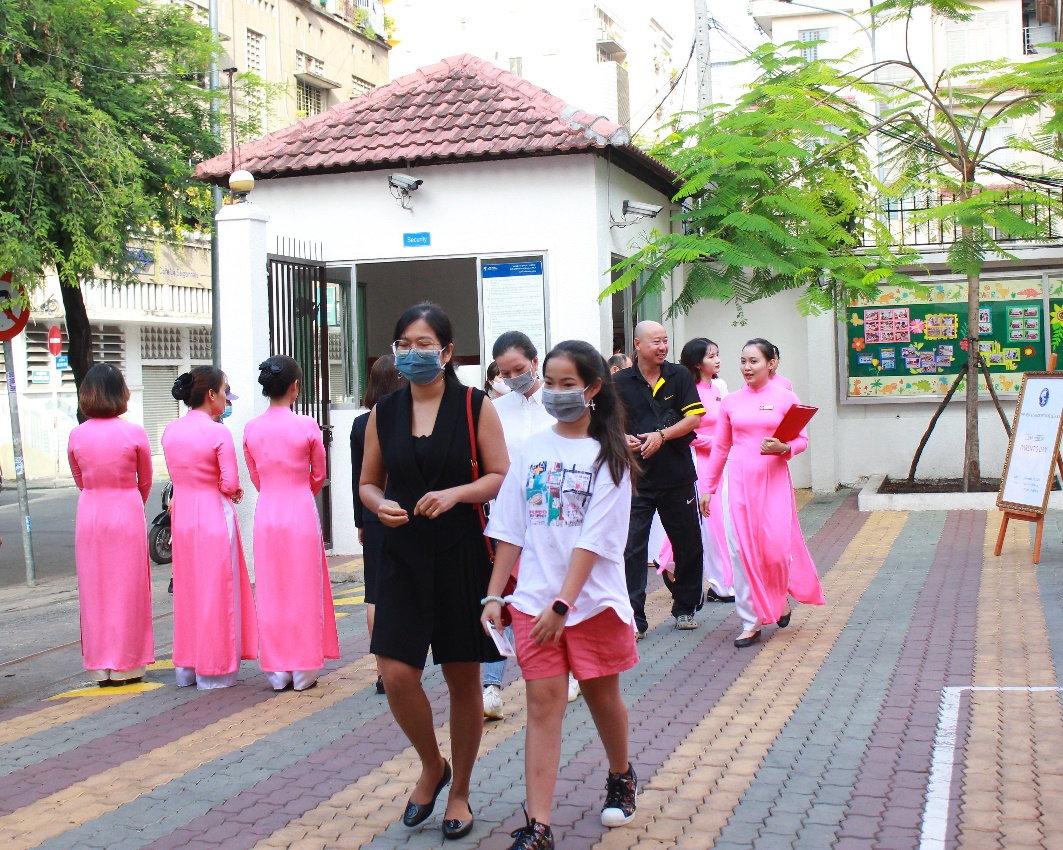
column 1034, row 444
column 514, row 299
column 416, row 240
column 62, row 362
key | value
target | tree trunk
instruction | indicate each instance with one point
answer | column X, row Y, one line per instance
column 79, row 335
column 972, row 471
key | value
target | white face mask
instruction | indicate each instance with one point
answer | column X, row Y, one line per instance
column 499, row 386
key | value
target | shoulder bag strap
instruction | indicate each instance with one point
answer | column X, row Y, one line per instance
column 476, row 470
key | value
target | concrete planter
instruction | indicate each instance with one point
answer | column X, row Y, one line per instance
column 870, row 499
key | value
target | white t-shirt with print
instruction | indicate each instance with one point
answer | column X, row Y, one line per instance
column 551, row 503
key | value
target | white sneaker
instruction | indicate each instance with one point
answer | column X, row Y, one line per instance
column 493, row 703
column 573, row 688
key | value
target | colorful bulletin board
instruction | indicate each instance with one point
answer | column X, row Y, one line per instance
column 906, row 344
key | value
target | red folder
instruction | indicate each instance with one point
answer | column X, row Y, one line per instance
column 796, row 418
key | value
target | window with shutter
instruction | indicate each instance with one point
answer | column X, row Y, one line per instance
column 985, row 36
column 256, row 52
column 811, row 53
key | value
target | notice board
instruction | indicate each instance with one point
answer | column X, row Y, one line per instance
column 1030, row 463
column 904, row 343
column 513, row 298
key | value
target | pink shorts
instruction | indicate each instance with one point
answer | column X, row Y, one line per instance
column 603, row 645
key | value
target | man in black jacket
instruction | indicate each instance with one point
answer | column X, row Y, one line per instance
column 663, row 408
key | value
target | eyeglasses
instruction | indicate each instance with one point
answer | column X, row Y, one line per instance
column 402, row 346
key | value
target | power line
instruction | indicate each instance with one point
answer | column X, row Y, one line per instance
column 671, row 89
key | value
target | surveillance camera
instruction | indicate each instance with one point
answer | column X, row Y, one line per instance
column 638, row 208
column 403, row 182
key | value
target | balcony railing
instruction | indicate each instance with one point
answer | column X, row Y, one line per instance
column 905, row 223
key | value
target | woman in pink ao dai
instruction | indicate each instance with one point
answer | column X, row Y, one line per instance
column 702, row 357
column 111, row 463
column 214, row 622
column 768, row 552
column 286, row 461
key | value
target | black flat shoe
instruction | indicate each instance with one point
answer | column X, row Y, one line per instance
column 415, row 812
column 743, row 642
column 380, row 685
column 784, row 620
column 454, row 829
column 712, row 596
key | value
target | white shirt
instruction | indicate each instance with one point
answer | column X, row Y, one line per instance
column 552, row 502
column 521, row 417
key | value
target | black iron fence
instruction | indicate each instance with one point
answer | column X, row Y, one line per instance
column 298, row 328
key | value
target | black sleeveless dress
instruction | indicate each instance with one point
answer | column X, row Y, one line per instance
column 434, row 572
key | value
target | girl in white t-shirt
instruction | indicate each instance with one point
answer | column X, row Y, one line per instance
column 563, row 510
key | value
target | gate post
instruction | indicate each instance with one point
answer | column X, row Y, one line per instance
column 243, row 306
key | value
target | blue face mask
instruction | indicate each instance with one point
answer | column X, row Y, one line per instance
column 419, row 367
column 228, row 411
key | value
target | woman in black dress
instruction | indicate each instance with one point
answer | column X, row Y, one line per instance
column 383, row 379
column 417, row 478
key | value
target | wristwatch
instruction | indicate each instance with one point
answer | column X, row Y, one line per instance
column 560, row 607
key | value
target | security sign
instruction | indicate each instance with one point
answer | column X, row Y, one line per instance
column 13, row 318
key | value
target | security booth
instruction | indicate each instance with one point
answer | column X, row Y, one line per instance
column 460, row 184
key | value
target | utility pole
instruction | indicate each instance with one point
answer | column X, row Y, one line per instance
column 215, row 195
column 20, row 467
column 702, row 27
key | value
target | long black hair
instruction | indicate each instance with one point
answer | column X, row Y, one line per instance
column 437, row 320
column 607, row 417
column 693, row 354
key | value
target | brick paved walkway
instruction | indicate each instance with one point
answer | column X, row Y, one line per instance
column 919, row 709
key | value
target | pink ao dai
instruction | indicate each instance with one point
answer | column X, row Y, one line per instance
column 761, row 499
column 297, row 623
column 111, row 463
column 214, row 623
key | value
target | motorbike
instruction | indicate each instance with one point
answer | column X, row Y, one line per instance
column 159, row 544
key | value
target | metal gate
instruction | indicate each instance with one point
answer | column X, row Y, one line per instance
column 298, row 328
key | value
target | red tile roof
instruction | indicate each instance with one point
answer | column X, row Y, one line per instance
column 459, row 110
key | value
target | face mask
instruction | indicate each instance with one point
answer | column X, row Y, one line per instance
column 228, row 411
column 419, row 367
column 521, row 383
column 500, row 386
column 565, row 405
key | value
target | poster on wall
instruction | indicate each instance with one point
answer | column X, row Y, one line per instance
column 513, row 299
column 905, row 343
column 1032, row 451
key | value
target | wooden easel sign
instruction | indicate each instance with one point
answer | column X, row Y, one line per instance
column 1033, row 453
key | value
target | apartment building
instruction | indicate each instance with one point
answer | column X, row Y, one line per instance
column 615, row 58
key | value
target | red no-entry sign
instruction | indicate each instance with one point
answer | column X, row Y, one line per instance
column 13, row 319
column 55, row 340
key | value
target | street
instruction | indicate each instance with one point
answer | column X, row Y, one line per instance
column 52, row 513
column 918, row 708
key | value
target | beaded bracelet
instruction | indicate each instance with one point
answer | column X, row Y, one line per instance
column 497, row 599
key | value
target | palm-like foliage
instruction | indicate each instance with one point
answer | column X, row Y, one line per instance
column 783, row 192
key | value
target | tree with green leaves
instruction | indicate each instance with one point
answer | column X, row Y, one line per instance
column 102, row 119
column 782, row 191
